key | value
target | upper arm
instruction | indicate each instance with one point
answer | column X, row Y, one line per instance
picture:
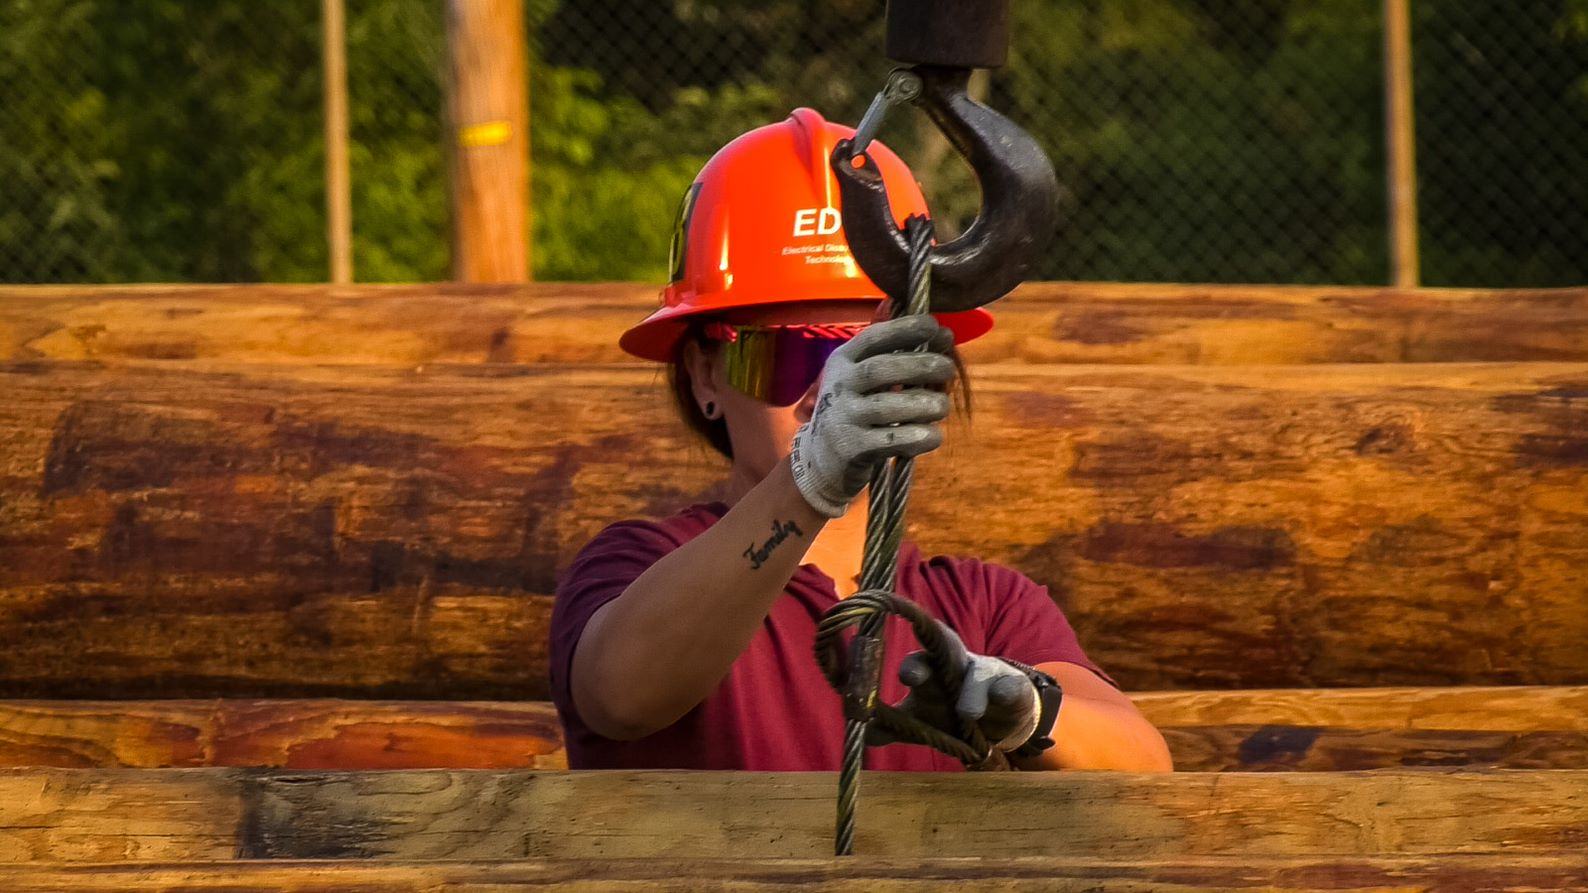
column 1078, row 680
column 582, row 683
column 1099, row 727
column 600, row 573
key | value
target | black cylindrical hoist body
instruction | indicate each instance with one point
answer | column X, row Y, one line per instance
column 950, row 33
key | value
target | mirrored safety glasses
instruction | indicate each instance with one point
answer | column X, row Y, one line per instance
column 778, row 364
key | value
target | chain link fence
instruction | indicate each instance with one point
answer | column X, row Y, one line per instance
column 1196, row 140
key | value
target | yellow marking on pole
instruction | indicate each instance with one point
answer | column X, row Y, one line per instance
column 489, row 133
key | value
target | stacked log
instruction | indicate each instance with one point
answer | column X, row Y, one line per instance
column 1426, row 830
column 226, row 510
column 396, row 531
column 1309, row 730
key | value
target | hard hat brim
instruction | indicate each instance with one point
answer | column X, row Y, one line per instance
column 656, row 337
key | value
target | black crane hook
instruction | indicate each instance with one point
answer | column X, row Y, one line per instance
column 1019, row 190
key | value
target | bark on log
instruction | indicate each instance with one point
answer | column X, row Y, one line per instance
column 303, row 531
column 146, row 815
column 854, row 874
column 361, row 735
column 1045, row 322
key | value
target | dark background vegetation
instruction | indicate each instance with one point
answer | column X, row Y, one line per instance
column 1197, row 140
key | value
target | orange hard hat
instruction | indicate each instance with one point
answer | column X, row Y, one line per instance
column 761, row 224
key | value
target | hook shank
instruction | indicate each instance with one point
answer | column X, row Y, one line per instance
column 1019, row 202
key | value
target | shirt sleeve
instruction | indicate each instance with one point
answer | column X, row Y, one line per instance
column 1025, row 624
column 598, row 574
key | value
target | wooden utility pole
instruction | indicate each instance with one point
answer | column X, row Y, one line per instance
column 488, row 104
column 338, row 188
column 1400, row 137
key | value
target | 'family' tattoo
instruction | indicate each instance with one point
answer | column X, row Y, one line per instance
column 780, row 532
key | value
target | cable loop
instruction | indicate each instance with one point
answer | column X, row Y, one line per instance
column 971, row 746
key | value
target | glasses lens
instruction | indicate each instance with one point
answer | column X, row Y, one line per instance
column 778, row 364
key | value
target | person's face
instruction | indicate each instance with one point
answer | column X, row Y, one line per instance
column 761, row 433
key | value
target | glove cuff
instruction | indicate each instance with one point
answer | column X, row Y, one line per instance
column 1049, row 698
column 807, row 481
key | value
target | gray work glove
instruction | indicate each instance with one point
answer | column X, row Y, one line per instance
column 997, row 696
column 860, row 420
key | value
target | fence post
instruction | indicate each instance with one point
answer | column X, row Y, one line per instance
column 488, row 103
column 338, row 197
column 1400, row 138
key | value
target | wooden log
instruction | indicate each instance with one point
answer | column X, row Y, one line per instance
column 1516, row 708
column 377, row 532
column 295, row 734
column 100, row 734
column 1270, row 748
column 855, row 874
column 1520, row 728
column 1049, row 322
column 145, row 815
column 388, row 735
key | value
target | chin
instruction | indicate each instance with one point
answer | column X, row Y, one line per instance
column 769, row 464
column 766, row 461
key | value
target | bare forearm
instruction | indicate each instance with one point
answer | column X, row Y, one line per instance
column 650, row 655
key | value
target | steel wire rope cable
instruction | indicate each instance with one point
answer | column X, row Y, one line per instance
column 856, row 673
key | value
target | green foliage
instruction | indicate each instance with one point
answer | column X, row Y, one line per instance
column 1197, row 140
column 607, row 178
column 55, row 217
column 1502, row 144
column 1194, row 152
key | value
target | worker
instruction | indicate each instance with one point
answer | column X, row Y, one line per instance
column 687, row 642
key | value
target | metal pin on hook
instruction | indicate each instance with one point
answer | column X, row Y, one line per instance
column 903, row 86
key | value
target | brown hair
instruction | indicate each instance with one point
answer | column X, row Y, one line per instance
column 715, row 431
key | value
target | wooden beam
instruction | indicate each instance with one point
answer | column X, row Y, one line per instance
column 488, row 102
column 570, row 322
column 1512, row 708
column 338, row 182
column 100, row 734
column 1401, row 140
column 381, row 532
column 1269, row 748
column 1283, row 734
column 146, row 815
column 290, row 734
column 856, row 874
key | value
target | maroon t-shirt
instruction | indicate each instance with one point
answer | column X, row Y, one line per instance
column 775, row 710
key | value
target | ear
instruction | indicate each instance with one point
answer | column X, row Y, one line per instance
column 701, row 364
